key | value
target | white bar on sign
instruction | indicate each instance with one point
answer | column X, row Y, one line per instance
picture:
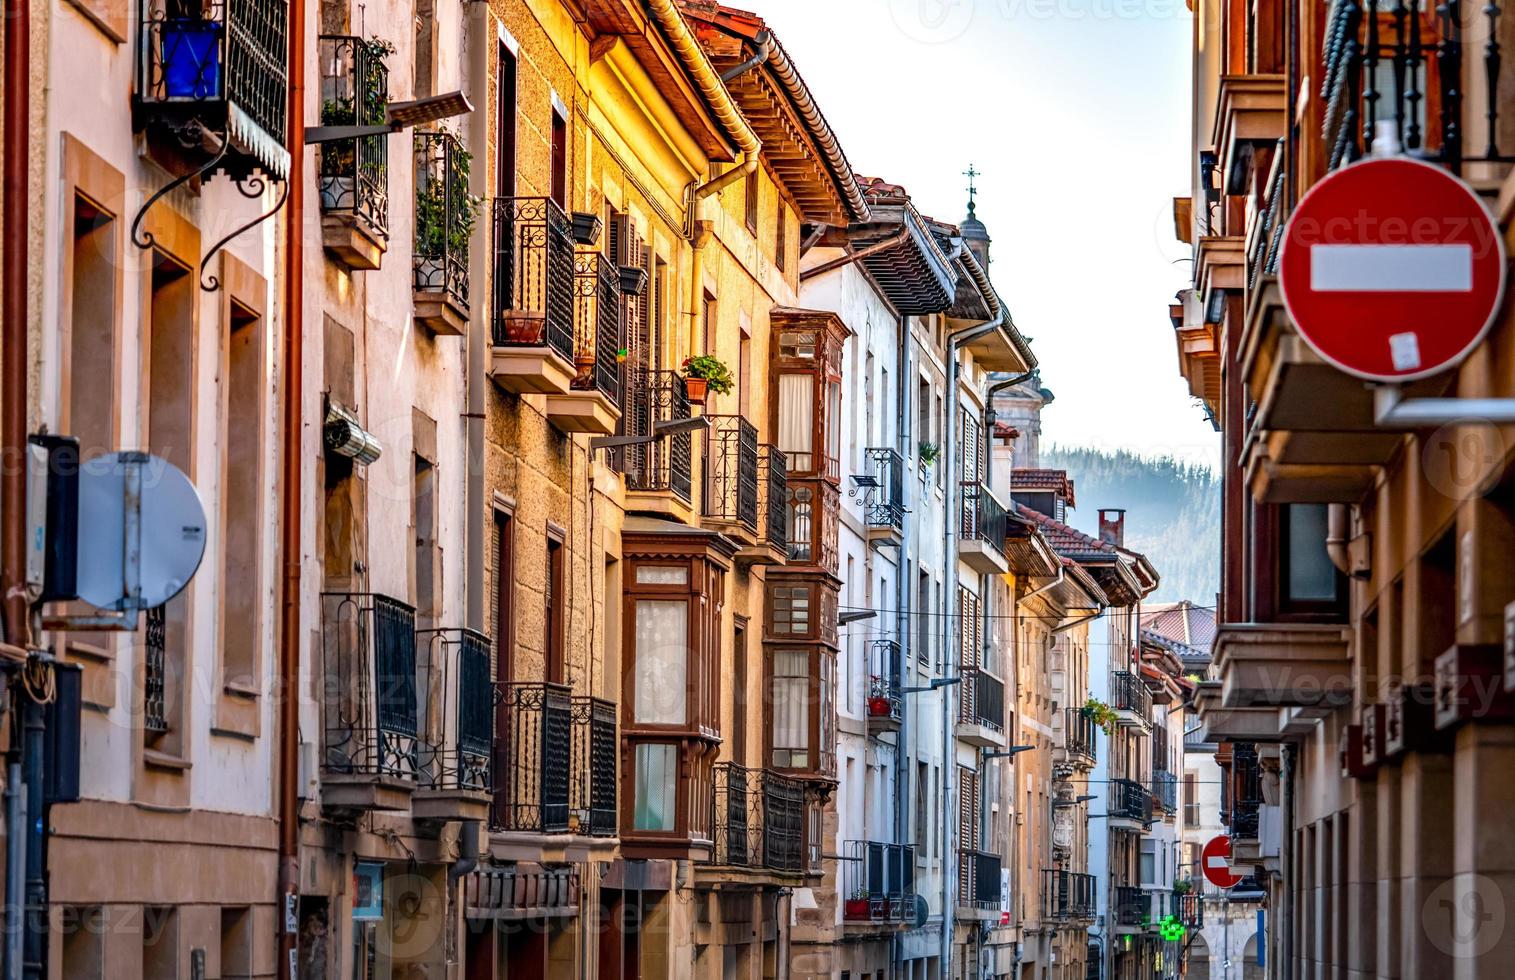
column 1391, row 268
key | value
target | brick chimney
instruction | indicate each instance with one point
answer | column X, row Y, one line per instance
column 1112, row 527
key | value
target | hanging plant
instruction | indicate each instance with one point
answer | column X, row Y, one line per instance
column 1101, row 714
column 929, row 452
column 710, row 369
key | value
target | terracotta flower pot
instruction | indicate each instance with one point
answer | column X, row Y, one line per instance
column 696, row 389
column 526, row 330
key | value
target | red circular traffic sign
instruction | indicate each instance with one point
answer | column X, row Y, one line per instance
column 1215, row 861
column 1392, row 269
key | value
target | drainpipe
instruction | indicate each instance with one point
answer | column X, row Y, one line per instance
column 286, row 678
column 1337, row 536
column 478, row 332
column 1283, row 928
column 15, row 317
column 764, row 46
column 902, row 598
column 468, row 853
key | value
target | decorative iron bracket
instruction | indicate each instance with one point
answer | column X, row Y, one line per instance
column 255, row 185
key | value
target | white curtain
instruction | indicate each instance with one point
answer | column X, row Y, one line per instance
column 662, row 661
column 791, row 721
column 797, row 417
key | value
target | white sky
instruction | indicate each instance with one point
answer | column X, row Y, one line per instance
column 1077, row 114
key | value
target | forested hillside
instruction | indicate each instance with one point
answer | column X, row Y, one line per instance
column 1172, row 513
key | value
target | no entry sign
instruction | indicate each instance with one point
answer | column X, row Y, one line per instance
column 1215, row 861
column 1392, row 269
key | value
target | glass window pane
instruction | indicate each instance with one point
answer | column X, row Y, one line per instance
column 656, row 787
column 1312, row 577
column 662, row 575
column 791, row 717
column 662, row 661
column 797, row 420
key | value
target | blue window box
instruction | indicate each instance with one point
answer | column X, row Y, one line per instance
column 191, row 59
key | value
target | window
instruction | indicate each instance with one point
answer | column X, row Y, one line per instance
column 750, row 201
column 504, row 605
column 708, row 338
column 1309, row 575
column 559, row 159
column 922, row 807
column 923, row 619
column 92, row 331
column 744, row 370
column 1147, row 868
column 241, row 484
column 426, row 48
column 1191, row 800
column 662, row 658
column 781, row 237
column 505, row 123
column 791, row 714
column 555, row 609
column 739, row 690
column 654, row 805
column 969, row 628
column 423, row 518
column 791, row 610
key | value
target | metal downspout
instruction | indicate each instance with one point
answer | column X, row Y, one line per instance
column 1283, row 927
column 478, row 337
column 15, row 315
column 287, row 668
column 764, row 46
column 902, row 757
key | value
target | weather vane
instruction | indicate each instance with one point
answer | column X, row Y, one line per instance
column 970, row 173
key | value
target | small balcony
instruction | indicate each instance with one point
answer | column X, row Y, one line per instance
column 1280, row 665
column 758, row 819
column 1131, row 700
column 457, row 727
column 772, row 544
column 1068, row 896
column 593, row 401
column 1080, row 743
column 661, row 472
column 533, row 297
column 982, row 543
column 878, row 883
column 1243, row 802
column 354, row 173
column 813, row 523
column 731, row 476
column 556, row 756
column 880, row 490
column 1133, row 908
column 1165, row 791
column 1130, row 806
column 371, row 744
column 884, row 700
column 981, row 709
column 978, row 885
column 214, row 70
column 444, row 220
column 1191, row 907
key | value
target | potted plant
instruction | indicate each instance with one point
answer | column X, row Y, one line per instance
column 364, row 103
column 633, row 280
column 586, row 227
column 929, row 452
column 1101, row 714
column 856, row 907
column 524, row 329
column 702, row 372
column 445, row 214
column 191, row 58
column 1183, row 886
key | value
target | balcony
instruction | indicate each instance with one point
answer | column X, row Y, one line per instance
column 1165, row 791
column 884, row 701
column 1130, row 806
column 880, row 490
column 457, row 727
column 1080, row 743
column 981, row 709
column 731, row 476
column 1133, row 908
column 1068, row 896
column 982, row 542
column 771, row 546
column 1252, row 114
column 978, row 885
column 1191, row 907
column 444, row 220
column 758, row 819
column 556, row 757
column 1244, row 801
column 1278, row 665
column 1131, row 700
column 370, row 750
column 813, row 523
column 878, row 883
column 354, row 174
column 533, row 297
column 1467, row 685
column 214, row 73
column 663, row 469
column 593, row 401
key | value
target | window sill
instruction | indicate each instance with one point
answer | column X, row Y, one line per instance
column 243, row 691
column 155, row 759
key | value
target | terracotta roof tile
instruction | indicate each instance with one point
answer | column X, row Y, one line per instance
column 1057, row 481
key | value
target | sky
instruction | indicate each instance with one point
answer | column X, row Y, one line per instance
column 1076, row 114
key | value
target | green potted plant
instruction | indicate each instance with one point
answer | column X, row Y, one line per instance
column 1103, row 716
column 929, row 452
column 364, row 104
column 1183, row 886
column 705, row 371
column 446, row 213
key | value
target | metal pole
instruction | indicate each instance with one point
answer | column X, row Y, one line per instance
column 35, row 938
column 15, row 867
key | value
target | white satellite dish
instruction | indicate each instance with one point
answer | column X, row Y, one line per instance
column 141, row 531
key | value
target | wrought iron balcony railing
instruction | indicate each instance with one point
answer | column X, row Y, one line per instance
column 1067, row 895
column 984, row 516
column 597, row 325
column 758, row 818
column 885, row 670
column 1246, row 791
column 1191, row 907
column 1130, row 800
column 1079, row 739
column 1132, row 906
column 773, row 496
column 878, row 881
column 457, row 707
column 982, row 699
column 978, row 884
column 731, row 471
column 881, row 486
column 533, row 275
column 355, row 92
column 1128, row 693
column 1165, row 790
column 368, row 655
column 665, row 464
column 221, row 66
column 1421, row 65
column 444, row 216
column 556, row 756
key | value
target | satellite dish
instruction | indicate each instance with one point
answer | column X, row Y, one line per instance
column 920, row 911
column 141, row 531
